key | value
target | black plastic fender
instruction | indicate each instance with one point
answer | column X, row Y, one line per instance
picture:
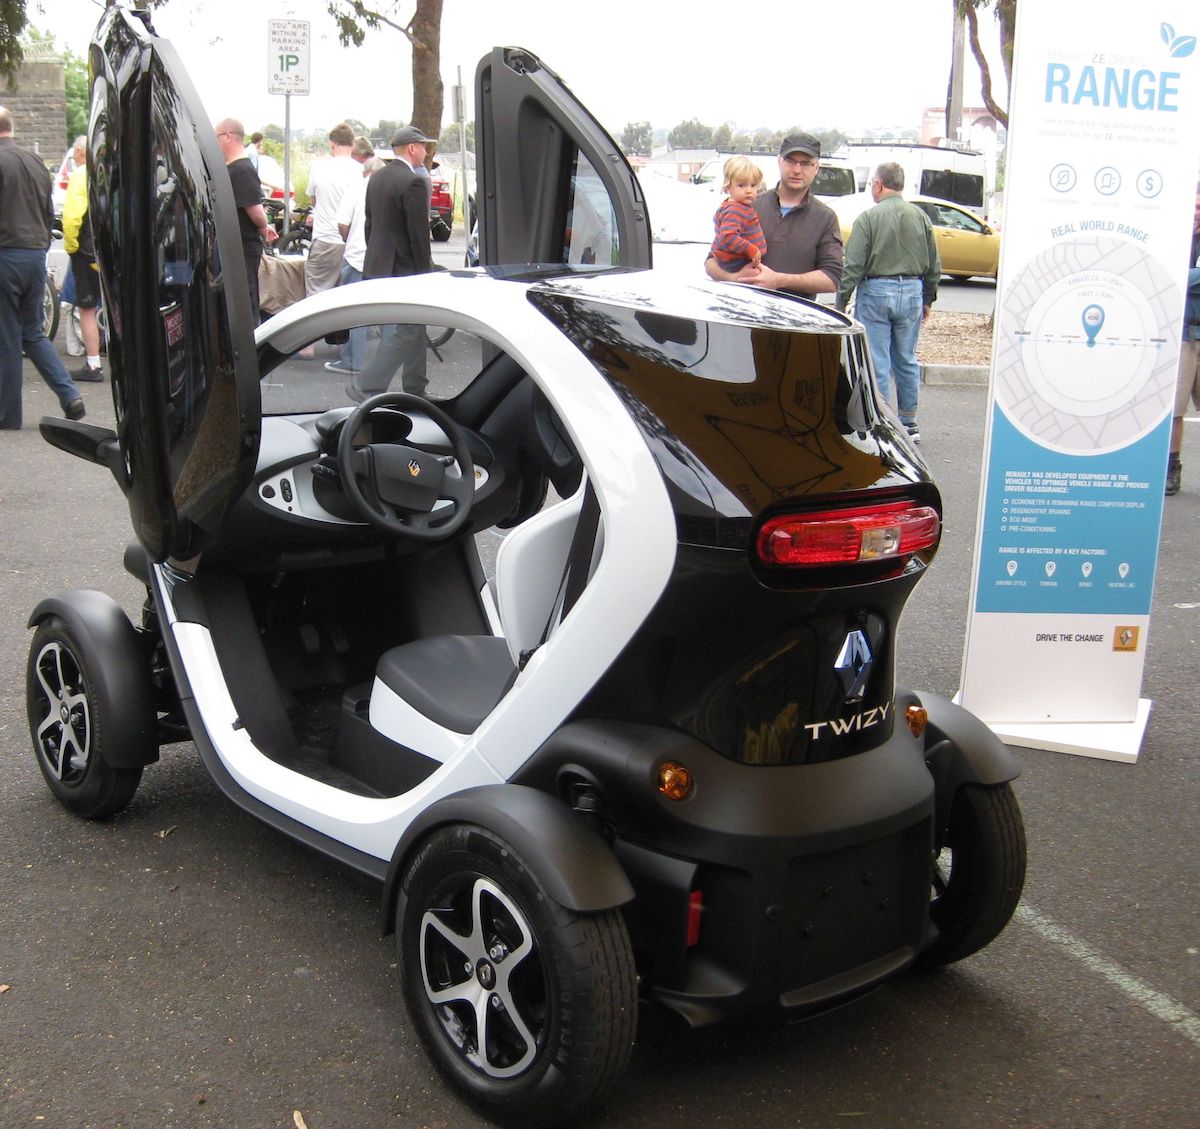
column 119, row 669
column 573, row 862
column 960, row 749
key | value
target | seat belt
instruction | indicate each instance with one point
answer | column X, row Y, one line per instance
column 576, row 567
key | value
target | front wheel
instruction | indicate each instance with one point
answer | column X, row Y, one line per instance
column 69, row 720
column 979, row 873
column 527, row 1008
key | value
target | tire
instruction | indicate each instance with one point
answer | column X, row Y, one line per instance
column 50, row 310
column 68, row 721
column 296, row 242
column 562, row 1032
column 440, row 335
column 979, row 873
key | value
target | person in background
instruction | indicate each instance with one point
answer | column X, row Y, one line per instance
column 892, row 259
column 253, row 148
column 328, row 180
column 351, row 221
column 26, row 214
column 397, row 233
column 362, row 150
column 1188, row 384
column 739, row 240
column 77, row 241
column 247, row 195
column 804, row 240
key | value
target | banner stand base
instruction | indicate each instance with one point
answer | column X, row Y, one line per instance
column 1104, row 740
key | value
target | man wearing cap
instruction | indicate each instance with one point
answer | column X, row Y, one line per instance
column 804, row 240
column 397, row 232
column 893, row 261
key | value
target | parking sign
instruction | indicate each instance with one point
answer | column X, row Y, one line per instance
column 287, row 56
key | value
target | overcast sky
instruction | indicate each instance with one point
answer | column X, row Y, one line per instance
column 853, row 65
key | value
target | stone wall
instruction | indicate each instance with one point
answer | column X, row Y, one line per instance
column 38, row 103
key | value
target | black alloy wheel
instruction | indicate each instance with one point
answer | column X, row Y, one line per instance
column 525, row 1007
column 68, row 720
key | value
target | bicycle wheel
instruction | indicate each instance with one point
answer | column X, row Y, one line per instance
column 50, row 310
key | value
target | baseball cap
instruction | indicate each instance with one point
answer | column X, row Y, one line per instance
column 409, row 135
column 800, row 143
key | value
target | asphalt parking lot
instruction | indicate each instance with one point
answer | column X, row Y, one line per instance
column 182, row 965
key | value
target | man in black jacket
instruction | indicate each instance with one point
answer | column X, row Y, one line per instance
column 397, row 231
column 25, row 215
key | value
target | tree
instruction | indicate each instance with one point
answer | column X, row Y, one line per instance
column 424, row 34
column 75, row 81
column 637, row 137
column 1006, row 16
column 12, row 23
column 449, row 138
column 691, row 135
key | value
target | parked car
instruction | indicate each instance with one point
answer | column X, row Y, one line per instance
column 834, row 178
column 659, row 757
column 969, row 247
column 60, row 181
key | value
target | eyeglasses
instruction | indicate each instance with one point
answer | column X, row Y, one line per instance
column 807, row 163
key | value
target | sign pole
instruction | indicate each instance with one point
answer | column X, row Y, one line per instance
column 287, row 163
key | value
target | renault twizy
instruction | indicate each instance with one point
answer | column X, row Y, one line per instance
column 650, row 749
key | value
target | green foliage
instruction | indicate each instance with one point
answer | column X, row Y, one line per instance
column 691, row 135
column 637, row 137
column 12, row 24
column 77, row 93
column 448, row 139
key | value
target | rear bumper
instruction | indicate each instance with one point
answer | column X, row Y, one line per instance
column 814, row 880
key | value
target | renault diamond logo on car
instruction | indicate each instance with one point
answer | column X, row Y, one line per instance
column 853, row 665
column 414, row 467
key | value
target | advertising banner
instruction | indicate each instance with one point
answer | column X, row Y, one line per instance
column 1103, row 160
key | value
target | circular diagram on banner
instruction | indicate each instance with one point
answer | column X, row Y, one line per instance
column 1082, row 364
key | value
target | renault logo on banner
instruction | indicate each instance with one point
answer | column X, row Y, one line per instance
column 853, row 665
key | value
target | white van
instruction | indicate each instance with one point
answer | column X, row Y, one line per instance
column 957, row 175
column 834, row 178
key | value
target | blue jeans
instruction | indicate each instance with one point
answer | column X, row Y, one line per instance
column 22, row 287
column 890, row 310
column 355, row 352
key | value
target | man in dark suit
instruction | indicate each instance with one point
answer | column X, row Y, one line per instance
column 397, row 231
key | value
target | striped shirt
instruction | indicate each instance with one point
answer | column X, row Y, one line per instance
column 739, row 234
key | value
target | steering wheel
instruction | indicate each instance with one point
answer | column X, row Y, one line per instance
column 400, row 482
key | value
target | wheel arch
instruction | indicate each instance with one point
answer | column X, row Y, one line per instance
column 577, row 867
column 118, row 666
column 960, row 749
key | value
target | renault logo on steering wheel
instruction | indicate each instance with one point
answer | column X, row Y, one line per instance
column 414, row 467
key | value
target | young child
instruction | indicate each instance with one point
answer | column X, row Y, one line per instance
column 740, row 239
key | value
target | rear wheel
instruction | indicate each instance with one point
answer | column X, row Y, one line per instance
column 525, row 1007
column 69, row 718
column 979, row 873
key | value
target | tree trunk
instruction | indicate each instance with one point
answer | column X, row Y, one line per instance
column 428, row 93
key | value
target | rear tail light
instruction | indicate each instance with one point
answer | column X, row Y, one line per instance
column 847, row 536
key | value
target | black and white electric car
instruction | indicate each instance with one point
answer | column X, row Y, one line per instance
column 656, row 752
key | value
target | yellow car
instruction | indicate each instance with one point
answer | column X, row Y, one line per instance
column 969, row 247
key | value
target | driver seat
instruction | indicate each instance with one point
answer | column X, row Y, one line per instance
column 452, row 682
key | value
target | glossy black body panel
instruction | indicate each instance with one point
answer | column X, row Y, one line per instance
column 185, row 379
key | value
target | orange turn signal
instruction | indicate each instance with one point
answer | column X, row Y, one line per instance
column 917, row 718
column 674, row 780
